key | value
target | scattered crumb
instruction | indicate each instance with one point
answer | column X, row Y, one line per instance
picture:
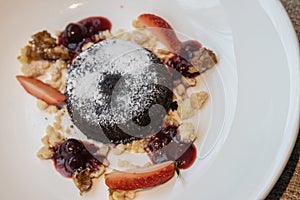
column 188, row 82
column 103, row 150
column 185, row 109
column 180, row 89
column 119, row 149
column 87, row 45
column 137, row 24
column 121, row 195
column 51, row 138
column 198, row 99
column 136, row 146
column 186, row 131
column 204, row 59
column 42, row 105
column 35, row 68
column 172, row 119
column 82, row 180
column 67, row 131
column 51, row 109
column 45, row 153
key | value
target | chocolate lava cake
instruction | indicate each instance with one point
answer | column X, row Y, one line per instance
column 118, row 91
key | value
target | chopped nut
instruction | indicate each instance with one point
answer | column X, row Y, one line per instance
column 45, row 153
column 198, row 99
column 55, row 74
column 57, row 126
column 43, row 47
column 50, row 130
column 51, row 109
column 188, row 82
column 117, row 151
column 42, row 104
column 58, row 117
column 180, row 90
column 55, row 138
column 186, row 131
column 121, row 195
column 130, row 195
column 67, row 131
column 35, row 68
column 103, row 35
column 98, row 173
column 204, row 59
column 137, row 24
column 82, row 180
column 171, row 120
column 60, row 64
column 45, row 140
column 185, row 109
column 88, row 45
column 103, row 150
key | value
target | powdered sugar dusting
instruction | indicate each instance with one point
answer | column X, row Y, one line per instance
column 112, row 81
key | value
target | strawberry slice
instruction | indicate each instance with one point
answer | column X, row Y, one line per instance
column 41, row 90
column 163, row 31
column 140, row 178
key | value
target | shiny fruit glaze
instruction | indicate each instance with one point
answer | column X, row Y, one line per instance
column 77, row 34
column 167, row 146
column 72, row 155
column 188, row 48
column 181, row 60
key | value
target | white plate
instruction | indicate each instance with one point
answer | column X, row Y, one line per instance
column 253, row 111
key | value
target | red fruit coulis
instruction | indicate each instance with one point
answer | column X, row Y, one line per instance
column 166, row 145
column 181, row 60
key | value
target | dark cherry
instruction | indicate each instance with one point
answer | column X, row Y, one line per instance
column 72, row 155
column 70, row 146
column 188, row 48
column 165, row 146
column 95, row 25
column 73, row 163
column 76, row 32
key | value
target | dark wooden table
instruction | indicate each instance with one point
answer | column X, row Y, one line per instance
column 288, row 185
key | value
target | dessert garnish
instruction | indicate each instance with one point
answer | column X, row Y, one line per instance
column 142, row 178
column 41, row 90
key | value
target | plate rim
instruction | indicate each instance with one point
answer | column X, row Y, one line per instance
column 276, row 174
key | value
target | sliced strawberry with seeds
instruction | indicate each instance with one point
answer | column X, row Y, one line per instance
column 140, row 178
column 41, row 90
column 163, row 31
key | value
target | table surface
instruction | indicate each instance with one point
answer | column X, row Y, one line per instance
column 288, row 185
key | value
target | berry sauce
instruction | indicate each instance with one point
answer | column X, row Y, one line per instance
column 77, row 34
column 166, row 145
column 188, row 48
column 181, row 61
column 73, row 155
